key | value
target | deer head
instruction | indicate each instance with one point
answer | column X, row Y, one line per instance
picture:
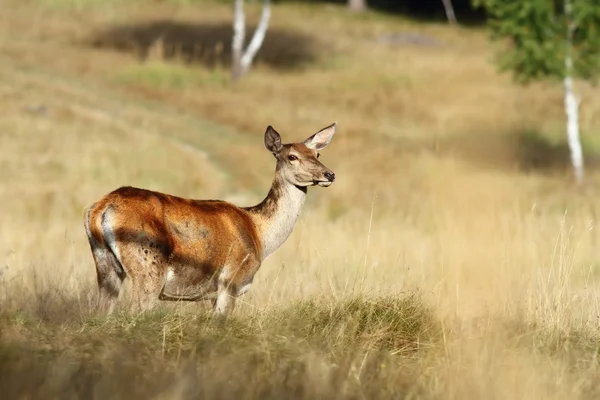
column 298, row 163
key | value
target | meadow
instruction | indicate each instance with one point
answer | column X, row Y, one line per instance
column 453, row 258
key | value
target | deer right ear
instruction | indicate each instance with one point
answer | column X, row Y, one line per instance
column 321, row 139
column 273, row 140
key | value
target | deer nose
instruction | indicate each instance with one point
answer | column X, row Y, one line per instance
column 330, row 176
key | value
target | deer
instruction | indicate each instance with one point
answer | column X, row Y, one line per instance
column 178, row 249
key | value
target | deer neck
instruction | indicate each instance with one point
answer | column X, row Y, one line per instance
column 277, row 214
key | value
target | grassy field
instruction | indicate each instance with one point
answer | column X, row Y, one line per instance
column 452, row 259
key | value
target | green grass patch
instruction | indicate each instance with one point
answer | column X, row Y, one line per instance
column 81, row 5
column 162, row 75
column 78, row 5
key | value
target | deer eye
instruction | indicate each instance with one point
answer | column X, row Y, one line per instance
column 292, row 157
column 318, row 155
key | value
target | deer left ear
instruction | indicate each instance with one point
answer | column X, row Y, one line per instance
column 321, row 139
column 273, row 140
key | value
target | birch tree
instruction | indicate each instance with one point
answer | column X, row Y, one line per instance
column 357, row 5
column 241, row 59
column 449, row 11
column 550, row 39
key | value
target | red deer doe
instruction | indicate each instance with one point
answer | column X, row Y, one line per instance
column 182, row 249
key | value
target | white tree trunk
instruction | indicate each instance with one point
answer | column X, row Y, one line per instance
column 571, row 101
column 239, row 34
column 258, row 37
column 242, row 60
column 572, row 111
column 357, row 5
column 449, row 11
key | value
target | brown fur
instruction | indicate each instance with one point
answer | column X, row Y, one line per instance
column 174, row 248
column 157, row 231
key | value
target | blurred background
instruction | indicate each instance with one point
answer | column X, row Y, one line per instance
column 458, row 174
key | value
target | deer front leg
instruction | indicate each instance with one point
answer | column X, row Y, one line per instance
column 234, row 282
column 225, row 301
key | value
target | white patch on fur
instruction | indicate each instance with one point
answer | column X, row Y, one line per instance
column 244, row 289
column 224, row 302
column 109, row 235
column 282, row 223
column 170, row 274
column 224, row 273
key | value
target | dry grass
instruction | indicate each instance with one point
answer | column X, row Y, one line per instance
column 452, row 258
column 315, row 348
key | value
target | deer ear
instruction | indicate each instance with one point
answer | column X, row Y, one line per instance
column 322, row 138
column 273, row 140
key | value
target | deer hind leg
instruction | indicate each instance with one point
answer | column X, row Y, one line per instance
column 110, row 277
column 109, row 272
column 146, row 266
column 150, row 291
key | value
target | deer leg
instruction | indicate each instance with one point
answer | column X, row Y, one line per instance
column 146, row 268
column 109, row 277
column 245, row 288
column 146, row 289
column 225, row 301
column 150, row 292
column 109, row 271
column 234, row 282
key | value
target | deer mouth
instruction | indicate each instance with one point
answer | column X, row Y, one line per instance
column 324, row 183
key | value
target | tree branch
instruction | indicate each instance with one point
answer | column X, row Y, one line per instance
column 258, row 37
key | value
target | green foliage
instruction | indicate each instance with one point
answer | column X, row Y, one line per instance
column 537, row 31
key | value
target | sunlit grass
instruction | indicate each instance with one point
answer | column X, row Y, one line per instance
column 161, row 75
column 451, row 259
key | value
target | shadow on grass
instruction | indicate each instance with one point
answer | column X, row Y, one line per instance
column 206, row 43
column 526, row 150
column 535, row 152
